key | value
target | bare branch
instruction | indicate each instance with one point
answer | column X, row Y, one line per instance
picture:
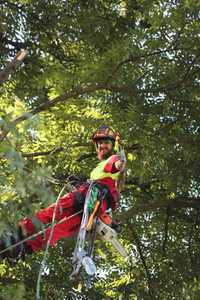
column 73, row 93
column 54, row 150
column 87, row 89
column 139, row 58
column 61, row 149
column 13, row 65
column 142, row 257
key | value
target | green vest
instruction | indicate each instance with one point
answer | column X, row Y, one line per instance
column 98, row 172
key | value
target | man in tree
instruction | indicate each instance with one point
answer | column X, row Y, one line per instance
column 107, row 176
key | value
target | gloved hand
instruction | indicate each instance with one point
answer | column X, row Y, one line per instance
column 17, row 252
column 106, row 218
column 116, row 225
column 93, row 198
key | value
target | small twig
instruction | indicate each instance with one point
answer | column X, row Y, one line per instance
column 166, row 229
column 142, row 258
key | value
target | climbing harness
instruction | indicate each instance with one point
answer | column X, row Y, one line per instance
column 81, row 256
column 92, row 227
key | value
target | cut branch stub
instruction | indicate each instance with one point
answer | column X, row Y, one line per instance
column 12, row 66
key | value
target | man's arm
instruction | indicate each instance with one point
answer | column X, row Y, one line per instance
column 114, row 165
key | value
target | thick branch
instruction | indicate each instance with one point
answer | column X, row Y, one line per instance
column 54, row 150
column 61, row 149
column 90, row 88
column 12, row 66
column 175, row 203
column 73, row 93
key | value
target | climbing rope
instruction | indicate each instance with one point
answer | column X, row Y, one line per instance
column 53, row 223
column 42, row 265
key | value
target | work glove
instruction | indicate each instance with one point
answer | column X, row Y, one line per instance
column 116, row 225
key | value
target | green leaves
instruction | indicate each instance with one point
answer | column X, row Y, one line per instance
column 133, row 65
column 16, row 291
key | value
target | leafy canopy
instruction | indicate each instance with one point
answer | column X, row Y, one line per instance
column 133, row 65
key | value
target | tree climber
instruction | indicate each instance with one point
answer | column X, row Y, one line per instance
column 108, row 176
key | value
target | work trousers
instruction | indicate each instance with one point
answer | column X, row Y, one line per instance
column 67, row 206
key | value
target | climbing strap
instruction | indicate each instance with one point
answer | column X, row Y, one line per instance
column 82, row 255
column 92, row 216
column 92, row 226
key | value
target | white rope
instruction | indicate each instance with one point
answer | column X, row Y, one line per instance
column 48, row 242
column 47, row 247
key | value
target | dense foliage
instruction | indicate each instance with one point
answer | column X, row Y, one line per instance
column 130, row 64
